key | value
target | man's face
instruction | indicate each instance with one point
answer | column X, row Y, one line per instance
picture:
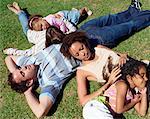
column 80, row 51
column 41, row 24
column 25, row 73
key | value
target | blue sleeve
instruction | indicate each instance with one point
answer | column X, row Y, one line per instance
column 24, row 60
column 50, row 91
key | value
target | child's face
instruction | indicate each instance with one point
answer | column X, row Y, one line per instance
column 40, row 25
column 140, row 79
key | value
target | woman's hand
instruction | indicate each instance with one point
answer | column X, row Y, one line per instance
column 123, row 59
column 115, row 74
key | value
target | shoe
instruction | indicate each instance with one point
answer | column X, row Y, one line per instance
column 146, row 62
column 89, row 12
column 74, row 9
column 137, row 4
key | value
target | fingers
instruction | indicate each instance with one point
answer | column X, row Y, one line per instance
column 118, row 76
column 115, row 74
column 116, row 71
column 143, row 91
column 122, row 61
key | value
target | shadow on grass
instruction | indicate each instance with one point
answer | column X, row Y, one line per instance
column 126, row 37
column 59, row 97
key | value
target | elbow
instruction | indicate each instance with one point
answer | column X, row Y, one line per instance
column 7, row 58
column 142, row 114
column 119, row 111
column 40, row 114
column 82, row 102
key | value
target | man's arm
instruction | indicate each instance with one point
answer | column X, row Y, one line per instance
column 11, row 63
column 39, row 107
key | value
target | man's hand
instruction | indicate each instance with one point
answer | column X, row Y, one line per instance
column 28, row 91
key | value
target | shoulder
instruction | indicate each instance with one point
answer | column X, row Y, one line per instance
column 121, row 85
column 81, row 73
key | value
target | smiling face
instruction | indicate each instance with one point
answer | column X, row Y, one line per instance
column 140, row 79
column 40, row 24
column 25, row 73
column 80, row 51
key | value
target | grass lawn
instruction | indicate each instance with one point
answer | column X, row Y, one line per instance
column 13, row 105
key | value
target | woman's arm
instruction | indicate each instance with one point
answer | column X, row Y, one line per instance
column 121, row 106
column 83, row 95
column 141, row 107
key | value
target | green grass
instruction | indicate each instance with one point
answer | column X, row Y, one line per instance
column 13, row 105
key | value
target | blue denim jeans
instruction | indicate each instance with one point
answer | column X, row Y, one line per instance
column 23, row 18
column 72, row 16
column 108, row 30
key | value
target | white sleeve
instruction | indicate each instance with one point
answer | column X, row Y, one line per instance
column 28, row 52
column 36, row 36
column 70, row 26
column 14, row 51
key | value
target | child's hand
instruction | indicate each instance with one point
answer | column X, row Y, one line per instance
column 143, row 91
column 115, row 74
column 137, row 98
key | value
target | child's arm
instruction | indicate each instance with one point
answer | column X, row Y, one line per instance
column 121, row 106
column 32, row 51
column 141, row 107
column 83, row 95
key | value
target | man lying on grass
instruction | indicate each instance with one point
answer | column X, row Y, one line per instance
column 49, row 68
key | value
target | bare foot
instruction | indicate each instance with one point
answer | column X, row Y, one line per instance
column 11, row 8
column 16, row 6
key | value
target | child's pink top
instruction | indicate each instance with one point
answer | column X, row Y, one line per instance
column 111, row 93
column 58, row 22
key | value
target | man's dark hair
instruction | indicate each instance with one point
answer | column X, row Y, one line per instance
column 18, row 87
column 53, row 36
column 71, row 38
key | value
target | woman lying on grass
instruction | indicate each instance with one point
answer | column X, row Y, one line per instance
column 98, row 64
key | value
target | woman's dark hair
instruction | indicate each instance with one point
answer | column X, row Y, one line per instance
column 131, row 67
column 71, row 38
column 53, row 36
column 32, row 20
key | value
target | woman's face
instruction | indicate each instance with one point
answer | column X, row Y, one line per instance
column 140, row 79
column 80, row 51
